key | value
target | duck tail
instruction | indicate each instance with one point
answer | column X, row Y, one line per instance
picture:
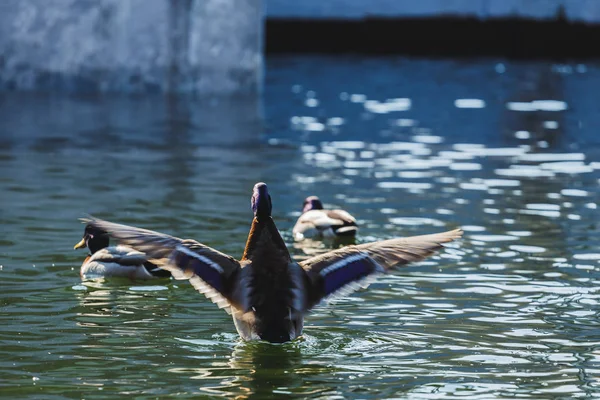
column 346, row 230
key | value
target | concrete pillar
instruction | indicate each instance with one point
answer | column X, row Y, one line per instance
column 178, row 46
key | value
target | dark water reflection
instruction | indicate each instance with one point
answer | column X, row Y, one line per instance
column 507, row 150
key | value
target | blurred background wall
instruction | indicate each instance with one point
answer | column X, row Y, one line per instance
column 216, row 46
column 207, row 46
column 574, row 10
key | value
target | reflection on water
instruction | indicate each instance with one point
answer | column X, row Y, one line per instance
column 507, row 150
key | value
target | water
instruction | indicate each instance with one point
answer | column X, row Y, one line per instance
column 506, row 150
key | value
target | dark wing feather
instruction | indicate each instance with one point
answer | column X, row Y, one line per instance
column 344, row 270
column 209, row 271
column 212, row 273
column 156, row 271
column 157, row 246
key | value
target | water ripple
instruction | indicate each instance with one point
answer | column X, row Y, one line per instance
column 509, row 311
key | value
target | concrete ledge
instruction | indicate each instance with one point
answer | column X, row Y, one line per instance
column 587, row 11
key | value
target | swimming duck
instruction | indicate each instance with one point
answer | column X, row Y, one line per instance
column 267, row 292
column 316, row 222
column 115, row 261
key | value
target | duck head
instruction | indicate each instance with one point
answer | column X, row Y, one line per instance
column 93, row 238
column 312, row 203
column 261, row 200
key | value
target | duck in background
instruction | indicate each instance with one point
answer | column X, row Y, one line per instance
column 114, row 261
column 318, row 223
column 267, row 292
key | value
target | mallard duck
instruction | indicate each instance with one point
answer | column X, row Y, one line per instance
column 115, row 261
column 267, row 292
column 316, row 222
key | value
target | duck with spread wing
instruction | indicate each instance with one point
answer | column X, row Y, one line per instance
column 267, row 292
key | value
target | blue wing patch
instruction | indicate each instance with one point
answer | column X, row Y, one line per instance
column 203, row 267
column 346, row 271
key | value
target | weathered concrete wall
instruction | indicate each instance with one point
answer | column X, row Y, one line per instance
column 192, row 46
column 575, row 10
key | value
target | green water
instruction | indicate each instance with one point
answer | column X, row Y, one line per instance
column 509, row 311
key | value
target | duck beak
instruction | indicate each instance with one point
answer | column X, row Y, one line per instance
column 80, row 245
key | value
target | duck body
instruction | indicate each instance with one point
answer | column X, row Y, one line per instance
column 276, row 287
column 114, row 261
column 316, row 222
column 119, row 262
column 267, row 293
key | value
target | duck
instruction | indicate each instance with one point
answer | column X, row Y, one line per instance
column 317, row 223
column 267, row 293
column 114, row 261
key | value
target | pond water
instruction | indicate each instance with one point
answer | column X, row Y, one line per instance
column 509, row 151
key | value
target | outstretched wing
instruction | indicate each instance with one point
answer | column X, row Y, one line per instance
column 208, row 270
column 342, row 271
column 157, row 246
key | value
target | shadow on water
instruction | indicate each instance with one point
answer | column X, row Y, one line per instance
column 533, row 118
column 171, row 153
column 534, row 114
column 178, row 130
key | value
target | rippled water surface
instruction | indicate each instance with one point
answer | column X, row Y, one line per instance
column 509, row 151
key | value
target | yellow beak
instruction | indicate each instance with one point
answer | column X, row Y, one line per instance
column 80, row 245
